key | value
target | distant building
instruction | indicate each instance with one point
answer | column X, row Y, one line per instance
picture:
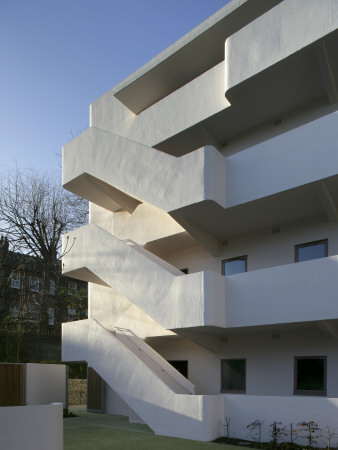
column 20, row 290
column 211, row 249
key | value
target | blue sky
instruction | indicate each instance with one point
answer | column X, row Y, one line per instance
column 58, row 56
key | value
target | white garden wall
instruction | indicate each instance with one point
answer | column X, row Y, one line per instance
column 31, row 427
column 46, row 383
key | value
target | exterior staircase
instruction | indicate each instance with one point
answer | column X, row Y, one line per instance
column 152, row 388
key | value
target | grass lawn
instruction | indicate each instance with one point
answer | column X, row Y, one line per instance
column 106, row 432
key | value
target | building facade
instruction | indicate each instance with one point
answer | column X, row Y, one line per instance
column 211, row 249
column 24, row 335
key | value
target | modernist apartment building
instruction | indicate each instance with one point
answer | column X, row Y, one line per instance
column 211, row 249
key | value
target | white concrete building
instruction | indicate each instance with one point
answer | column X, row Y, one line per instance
column 212, row 176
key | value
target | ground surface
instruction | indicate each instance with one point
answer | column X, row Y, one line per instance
column 90, row 431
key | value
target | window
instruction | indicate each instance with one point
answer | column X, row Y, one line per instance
column 33, row 313
column 310, row 375
column 50, row 316
column 234, row 265
column 15, row 281
column 34, row 284
column 52, row 287
column 311, row 250
column 180, row 366
column 72, row 287
column 233, row 375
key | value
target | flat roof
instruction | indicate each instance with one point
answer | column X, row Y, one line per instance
column 189, row 57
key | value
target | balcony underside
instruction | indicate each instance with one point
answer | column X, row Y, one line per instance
column 306, row 79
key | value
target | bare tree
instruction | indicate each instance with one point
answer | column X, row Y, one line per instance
column 34, row 213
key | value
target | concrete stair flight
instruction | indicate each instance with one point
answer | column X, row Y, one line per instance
column 145, row 390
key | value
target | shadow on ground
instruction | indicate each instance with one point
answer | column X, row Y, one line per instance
column 90, row 431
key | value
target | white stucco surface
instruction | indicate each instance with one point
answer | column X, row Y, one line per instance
column 45, row 384
column 167, row 413
column 267, row 183
column 141, row 172
column 244, row 409
column 266, row 40
column 298, row 292
column 289, row 160
column 31, row 427
column 174, row 301
column 185, row 107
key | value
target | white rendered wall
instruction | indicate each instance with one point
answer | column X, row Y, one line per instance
column 141, row 172
column 244, row 409
column 305, row 291
column 113, row 403
column 187, row 106
column 112, row 310
column 31, row 427
column 269, row 361
column 266, row 40
column 196, row 297
column 284, row 162
column 166, row 412
column 45, row 384
column 263, row 248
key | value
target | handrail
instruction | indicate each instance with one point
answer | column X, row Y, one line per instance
column 163, row 370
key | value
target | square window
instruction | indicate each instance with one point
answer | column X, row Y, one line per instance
column 34, row 284
column 233, row 375
column 72, row 287
column 310, row 375
column 311, row 250
column 15, row 281
column 234, row 265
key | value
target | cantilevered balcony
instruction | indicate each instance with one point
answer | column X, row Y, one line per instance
column 299, row 292
column 116, row 173
column 292, row 293
column 300, row 59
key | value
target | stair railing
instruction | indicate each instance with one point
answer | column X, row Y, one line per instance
column 122, row 330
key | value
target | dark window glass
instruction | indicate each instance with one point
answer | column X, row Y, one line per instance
column 234, row 265
column 310, row 375
column 313, row 250
column 233, row 375
column 180, row 366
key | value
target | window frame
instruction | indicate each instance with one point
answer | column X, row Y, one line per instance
column 243, row 257
column 18, row 279
column 52, row 287
column 34, row 284
column 308, row 391
column 309, row 244
column 233, row 391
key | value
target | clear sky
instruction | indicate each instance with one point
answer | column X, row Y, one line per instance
column 58, row 56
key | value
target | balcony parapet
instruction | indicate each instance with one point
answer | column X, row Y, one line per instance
column 298, row 157
column 275, row 36
column 299, row 292
column 103, row 167
column 172, row 299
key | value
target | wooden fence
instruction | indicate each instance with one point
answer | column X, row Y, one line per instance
column 11, row 384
